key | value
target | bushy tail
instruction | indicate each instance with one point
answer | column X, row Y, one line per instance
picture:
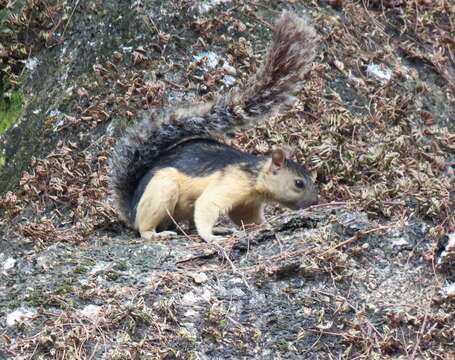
column 268, row 92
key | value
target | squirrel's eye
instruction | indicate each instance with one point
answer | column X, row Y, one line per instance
column 299, row 183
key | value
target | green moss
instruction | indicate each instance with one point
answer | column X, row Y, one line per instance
column 37, row 298
column 14, row 304
column 10, row 110
column 121, row 266
column 81, row 270
column 66, row 287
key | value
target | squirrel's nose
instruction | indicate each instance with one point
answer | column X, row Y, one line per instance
column 308, row 201
column 314, row 195
column 315, row 199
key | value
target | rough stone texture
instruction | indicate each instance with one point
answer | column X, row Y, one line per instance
column 57, row 73
column 274, row 291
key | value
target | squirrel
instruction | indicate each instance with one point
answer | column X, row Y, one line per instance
column 171, row 167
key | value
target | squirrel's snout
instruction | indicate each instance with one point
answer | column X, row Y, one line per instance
column 304, row 203
column 308, row 201
column 314, row 200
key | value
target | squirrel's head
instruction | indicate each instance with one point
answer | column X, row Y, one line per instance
column 287, row 182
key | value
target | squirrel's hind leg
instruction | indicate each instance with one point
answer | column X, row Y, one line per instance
column 157, row 204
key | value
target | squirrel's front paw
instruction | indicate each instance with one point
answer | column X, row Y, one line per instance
column 153, row 235
column 212, row 238
column 221, row 230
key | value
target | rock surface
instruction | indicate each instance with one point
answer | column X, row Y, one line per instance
column 288, row 289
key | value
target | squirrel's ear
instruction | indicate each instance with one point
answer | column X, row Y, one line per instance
column 278, row 158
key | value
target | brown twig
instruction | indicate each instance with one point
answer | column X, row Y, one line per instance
column 356, row 237
column 69, row 19
column 422, row 328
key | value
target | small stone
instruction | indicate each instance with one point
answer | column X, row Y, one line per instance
column 190, row 313
column 339, row 65
column 199, row 278
column 8, row 265
column 379, row 72
column 82, row 92
column 117, row 56
column 401, row 241
column 189, row 299
column 19, row 315
column 90, row 311
column 449, row 291
column 230, row 70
